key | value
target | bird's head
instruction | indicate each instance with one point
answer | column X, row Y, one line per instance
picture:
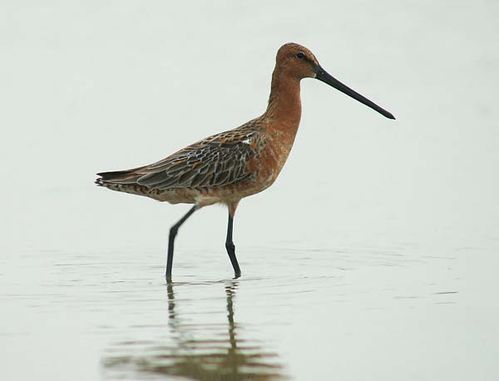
column 298, row 62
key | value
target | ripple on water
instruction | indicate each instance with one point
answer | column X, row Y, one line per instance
column 199, row 329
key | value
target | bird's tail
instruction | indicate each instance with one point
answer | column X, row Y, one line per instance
column 116, row 177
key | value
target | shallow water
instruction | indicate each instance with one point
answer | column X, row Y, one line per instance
column 374, row 256
column 299, row 313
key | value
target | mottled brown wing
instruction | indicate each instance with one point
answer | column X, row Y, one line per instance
column 216, row 162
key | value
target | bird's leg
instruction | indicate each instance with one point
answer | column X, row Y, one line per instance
column 229, row 245
column 171, row 240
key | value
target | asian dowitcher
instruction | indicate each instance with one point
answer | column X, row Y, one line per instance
column 226, row 167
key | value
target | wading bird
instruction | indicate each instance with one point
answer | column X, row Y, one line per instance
column 231, row 165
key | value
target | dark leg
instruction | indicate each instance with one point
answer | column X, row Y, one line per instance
column 171, row 240
column 231, row 249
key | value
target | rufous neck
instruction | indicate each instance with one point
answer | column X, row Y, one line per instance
column 284, row 101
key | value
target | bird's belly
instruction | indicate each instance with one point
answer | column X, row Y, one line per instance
column 208, row 196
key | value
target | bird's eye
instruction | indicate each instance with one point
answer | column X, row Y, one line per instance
column 300, row 55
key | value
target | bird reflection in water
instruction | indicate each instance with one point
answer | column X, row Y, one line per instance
column 211, row 351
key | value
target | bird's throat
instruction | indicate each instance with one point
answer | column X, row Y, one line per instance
column 284, row 107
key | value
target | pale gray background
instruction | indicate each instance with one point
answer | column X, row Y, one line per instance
column 102, row 85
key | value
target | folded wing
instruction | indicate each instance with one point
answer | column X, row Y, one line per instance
column 211, row 163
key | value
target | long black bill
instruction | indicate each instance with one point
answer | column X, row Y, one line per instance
column 325, row 77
